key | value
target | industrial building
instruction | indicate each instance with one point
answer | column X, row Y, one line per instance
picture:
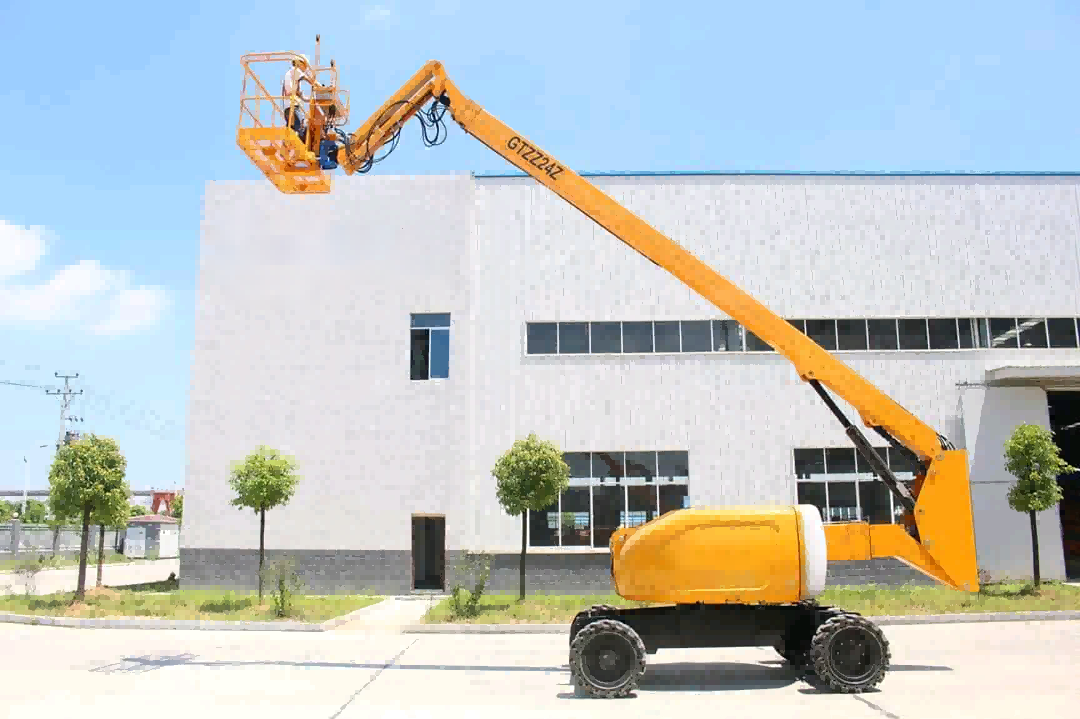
column 397, row 335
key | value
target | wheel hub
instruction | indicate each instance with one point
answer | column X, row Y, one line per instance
column 609, row 660
column 854, row 654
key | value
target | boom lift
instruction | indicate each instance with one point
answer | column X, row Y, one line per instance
column 726, row 577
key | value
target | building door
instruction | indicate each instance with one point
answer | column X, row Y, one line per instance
column 429, row 551
column 1065, row 423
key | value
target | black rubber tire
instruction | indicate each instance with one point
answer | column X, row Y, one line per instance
column 603, row 642
column 585, row 616
column 849, row 654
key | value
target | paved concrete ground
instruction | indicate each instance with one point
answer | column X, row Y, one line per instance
column 114, row 575
column 960, row 671
column 392, row 613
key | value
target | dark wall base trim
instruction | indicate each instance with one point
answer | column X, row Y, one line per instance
column 390, row 571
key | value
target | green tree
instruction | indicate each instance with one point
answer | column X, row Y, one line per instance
column 113, row 514
column 136, row 510
column 1032, row 457
column 177, row 511
column 7, row 510
column 87, row 478
column 56, row 522
column 37, row 512
column 263, row 480
column 529, row 476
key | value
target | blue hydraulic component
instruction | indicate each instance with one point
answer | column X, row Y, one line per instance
column 328, row 150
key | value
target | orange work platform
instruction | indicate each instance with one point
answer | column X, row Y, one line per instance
column 282, row 157
column 285, row 146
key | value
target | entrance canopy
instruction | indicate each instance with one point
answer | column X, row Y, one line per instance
column 1047, row 376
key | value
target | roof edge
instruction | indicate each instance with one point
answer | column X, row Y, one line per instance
column 825, row 173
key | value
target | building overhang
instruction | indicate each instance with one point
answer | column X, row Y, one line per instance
column 1045, row 376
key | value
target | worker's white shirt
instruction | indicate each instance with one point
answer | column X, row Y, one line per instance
column 291, row 84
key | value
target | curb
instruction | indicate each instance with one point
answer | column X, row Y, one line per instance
column 90, row 623
column 973, row 617
column 209, row 624
column 330, row 624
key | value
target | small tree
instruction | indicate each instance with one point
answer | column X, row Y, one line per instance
column 56, row 522
column 177, row 510
column 7, row 510
column 529, row 476
column 263, row 480
column 136, row 510
column 37, row 512
column 1032, row 457
column 111, row 515
column 86, row 478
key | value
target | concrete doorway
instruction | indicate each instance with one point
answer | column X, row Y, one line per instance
column 429, row 551
column 1065, row 422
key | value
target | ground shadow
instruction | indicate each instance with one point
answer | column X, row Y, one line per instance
column 731, row 676
column 892, row 667
column 149, row 663
column 708, row 677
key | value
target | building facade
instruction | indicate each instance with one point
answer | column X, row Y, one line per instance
column 397, row 335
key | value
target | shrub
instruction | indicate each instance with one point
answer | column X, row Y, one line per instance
column 285, row 584
column 476, row 567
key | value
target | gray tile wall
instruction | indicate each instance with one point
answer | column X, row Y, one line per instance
column 390, row 572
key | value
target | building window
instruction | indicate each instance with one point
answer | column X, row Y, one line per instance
column 874, row 335
column 605, row 337
column 881, row 334
column 851, row 334
column 573, row 338
column 667, row 336
column 609, row 490
column 429, row 351
column 840, row 483
column 1062, row 331
column 943, row 334
column 696, row 336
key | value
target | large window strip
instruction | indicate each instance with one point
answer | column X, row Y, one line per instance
column 843, row 335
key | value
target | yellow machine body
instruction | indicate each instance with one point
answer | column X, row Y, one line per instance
column 744, row 554
column 723, row 555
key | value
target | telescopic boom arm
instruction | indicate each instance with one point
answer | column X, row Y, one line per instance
column 938, row 509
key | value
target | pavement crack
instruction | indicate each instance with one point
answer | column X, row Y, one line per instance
column 374, row 676
column 875, row 707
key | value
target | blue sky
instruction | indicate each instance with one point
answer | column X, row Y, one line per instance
column 116, row 115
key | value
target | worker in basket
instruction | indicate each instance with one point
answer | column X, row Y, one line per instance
column 293, row 98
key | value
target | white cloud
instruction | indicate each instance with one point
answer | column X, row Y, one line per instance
column 20, row 249
column 86, row 293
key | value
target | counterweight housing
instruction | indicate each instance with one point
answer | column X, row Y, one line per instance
column 740, row 555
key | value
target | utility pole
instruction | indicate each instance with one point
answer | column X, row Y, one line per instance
column 65, row 404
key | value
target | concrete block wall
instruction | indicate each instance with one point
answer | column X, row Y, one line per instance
column 389, row 572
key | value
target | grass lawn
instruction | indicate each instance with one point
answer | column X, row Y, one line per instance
column 870, row 601
column 14, row 563
column 163, row 601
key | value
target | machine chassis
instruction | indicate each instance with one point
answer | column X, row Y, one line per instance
column 831, row 648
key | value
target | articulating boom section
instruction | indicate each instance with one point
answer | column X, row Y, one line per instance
column 939, row 536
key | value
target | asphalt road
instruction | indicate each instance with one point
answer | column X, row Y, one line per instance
column 1004, row 670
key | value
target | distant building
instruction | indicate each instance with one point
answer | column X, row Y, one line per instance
column 152, row 535
column 399, row 334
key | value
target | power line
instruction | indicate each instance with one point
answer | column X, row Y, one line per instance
column 23, row 384
column 109, row 406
